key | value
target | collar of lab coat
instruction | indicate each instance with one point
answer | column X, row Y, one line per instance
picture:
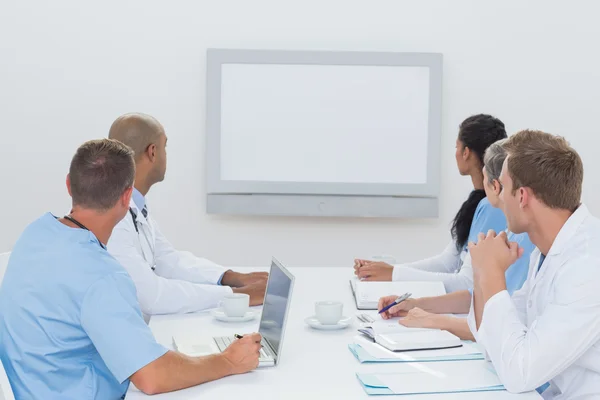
column 138, row 215
column 568, row 230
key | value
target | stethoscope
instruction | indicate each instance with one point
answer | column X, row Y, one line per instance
column 137, row 229
column 82, row 226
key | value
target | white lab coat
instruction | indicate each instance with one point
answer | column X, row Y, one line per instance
column 452, row 267
column 550, row 330
column 179, row 282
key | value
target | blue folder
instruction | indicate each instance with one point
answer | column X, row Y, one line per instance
column 374, row 387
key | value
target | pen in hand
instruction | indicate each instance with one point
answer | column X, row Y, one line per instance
column 235, row 335
column 399, row 300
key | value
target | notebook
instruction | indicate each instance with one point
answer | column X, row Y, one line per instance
column 382, row 326
column 367, row 294
column 366, row 351
column 396, row 337
column 420, row 340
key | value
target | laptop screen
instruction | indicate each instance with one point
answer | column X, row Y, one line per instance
column 277, row 299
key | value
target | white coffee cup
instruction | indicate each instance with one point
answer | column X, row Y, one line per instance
column 329, row 312
column 235, row 304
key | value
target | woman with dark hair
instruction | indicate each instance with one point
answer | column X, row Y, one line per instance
column 476, row 214
column 432, row 312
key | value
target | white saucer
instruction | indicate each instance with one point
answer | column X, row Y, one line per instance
column 313, row 322
column 220, row 315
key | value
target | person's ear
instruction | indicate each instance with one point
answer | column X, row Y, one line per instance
column 524, row 197
column 466, row 153
column 497, row 187
column 151, row 152
column 68, row 182
column 126, row 197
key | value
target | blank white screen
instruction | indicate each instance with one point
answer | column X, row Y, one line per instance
column 324, row 123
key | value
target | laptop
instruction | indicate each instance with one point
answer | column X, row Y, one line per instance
column 272, row 322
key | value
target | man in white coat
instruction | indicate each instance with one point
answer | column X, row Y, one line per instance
column 547, row 336
column 167, row 280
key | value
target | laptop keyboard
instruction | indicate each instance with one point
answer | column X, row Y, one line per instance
column 265, row 353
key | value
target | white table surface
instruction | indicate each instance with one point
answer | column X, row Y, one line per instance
column 314, row 364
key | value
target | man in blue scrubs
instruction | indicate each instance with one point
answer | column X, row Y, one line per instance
column 70, row 324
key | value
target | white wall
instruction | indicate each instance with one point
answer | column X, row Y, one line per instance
column 68, row 68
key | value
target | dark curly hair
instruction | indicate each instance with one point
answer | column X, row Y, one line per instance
column 477, row 133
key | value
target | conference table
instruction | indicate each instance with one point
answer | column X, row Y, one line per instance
column 313, row 363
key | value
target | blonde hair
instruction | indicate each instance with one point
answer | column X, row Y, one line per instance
column 548, row 165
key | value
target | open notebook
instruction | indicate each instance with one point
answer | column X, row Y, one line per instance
column 396, row 337
column 367, row 294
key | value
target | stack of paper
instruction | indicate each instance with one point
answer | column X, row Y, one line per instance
column 195, row 346
column 367, row 294
column 472, row 376
column 366, row 351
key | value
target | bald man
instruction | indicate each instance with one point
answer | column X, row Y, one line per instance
column 168, row 281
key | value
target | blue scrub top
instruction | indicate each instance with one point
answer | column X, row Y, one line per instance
column 516, row 274
column 488, row 217
column 70, row 323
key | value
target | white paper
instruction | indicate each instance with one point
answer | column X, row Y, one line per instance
column 369, row 293
column 442, row 377
column 415, row 339
column 195, row 346
column 392, row 326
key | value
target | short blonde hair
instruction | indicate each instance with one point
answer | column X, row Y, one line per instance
column 548, row 165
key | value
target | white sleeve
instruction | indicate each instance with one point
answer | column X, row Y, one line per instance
column 473, row 327
column 527, row 357
column 519, row 299
column 442, row 267
column 156, row 294
column 183, row 265
column 447, row 261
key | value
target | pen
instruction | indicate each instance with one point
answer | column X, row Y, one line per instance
column 235, row 335
column 399, row 300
